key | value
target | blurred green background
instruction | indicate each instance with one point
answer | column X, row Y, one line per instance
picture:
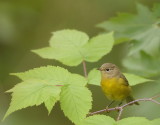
column 27, row 24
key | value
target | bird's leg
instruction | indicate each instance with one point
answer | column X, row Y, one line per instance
column 109, row 104
column 120, row 104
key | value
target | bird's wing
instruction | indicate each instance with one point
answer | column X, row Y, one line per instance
column 124, row 78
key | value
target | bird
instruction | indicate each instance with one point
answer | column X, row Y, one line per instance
column 114, row 84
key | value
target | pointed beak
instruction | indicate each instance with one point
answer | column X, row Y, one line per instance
column 99, row 69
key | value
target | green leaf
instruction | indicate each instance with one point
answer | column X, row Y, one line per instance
column 134, row 121
column 98, row 46
column 72, row 38
column 98, row 120
column 53, row 75
column 75, row 102
column 47, row 52
column 143, row 64
column 155, row 121
column 119, row 24
column 50, row 102
column 32, row 92
column 41, row 85
column 71, row 47
column 134, row 79
column 94, row 77
column 146, row 29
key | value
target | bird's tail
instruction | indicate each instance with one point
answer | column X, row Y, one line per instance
column 130, row 98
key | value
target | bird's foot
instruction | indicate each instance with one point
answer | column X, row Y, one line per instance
column 107, row 109
column 118, row 109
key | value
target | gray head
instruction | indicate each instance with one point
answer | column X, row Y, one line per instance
column 109, row 70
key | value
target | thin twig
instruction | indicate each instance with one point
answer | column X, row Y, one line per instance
column 84, row 68
column 103, row 110
column 156, row 96
column 121, row 108
column 156, row 102
column 120, row 113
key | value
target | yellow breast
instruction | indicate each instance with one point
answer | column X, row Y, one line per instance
column 115, row 88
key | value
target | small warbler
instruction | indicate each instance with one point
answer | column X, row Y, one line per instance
column 114, row 84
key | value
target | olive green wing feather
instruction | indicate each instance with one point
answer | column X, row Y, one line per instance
column 126, row 81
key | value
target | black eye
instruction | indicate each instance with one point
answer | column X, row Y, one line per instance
column 107, row 69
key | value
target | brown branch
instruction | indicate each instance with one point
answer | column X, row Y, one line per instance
column 84, row 68
column 121, row 108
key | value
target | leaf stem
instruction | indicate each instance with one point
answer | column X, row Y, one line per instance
column 84, row 68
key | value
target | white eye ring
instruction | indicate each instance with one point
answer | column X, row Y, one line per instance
column 107, row 70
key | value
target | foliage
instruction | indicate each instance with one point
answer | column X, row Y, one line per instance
column 142, row 27
column 98, row 120
column 44, row 85
column 33, row 92
column 106, row 120
column 143, row 64
column 71, row 47
column 142, row 31
column 75, row 102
